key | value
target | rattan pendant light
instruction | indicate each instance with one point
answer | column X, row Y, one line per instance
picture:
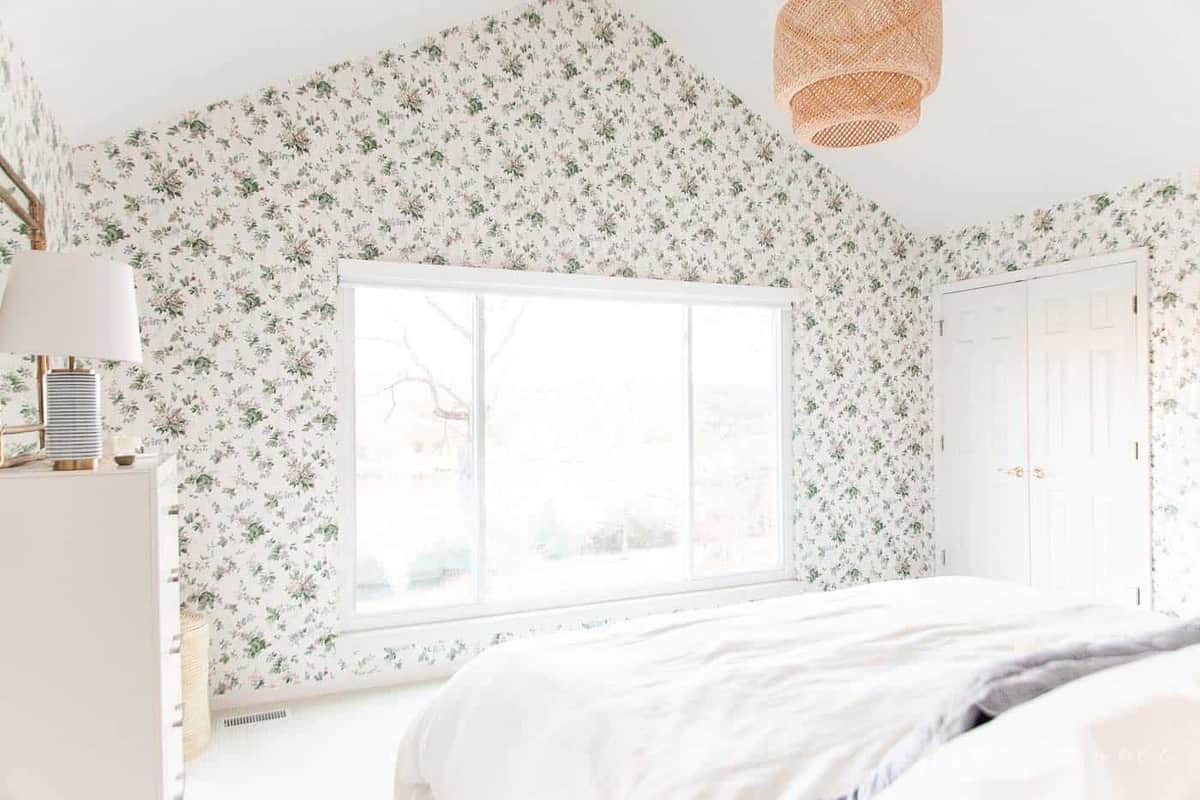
column 854, row 72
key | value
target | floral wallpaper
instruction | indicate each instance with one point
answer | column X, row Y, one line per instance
column 30, row 140
column 562, row 136
column 1163, row 215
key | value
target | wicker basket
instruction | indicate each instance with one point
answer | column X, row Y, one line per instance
column 197, row 724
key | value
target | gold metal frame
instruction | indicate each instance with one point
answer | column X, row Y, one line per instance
column 34, row 218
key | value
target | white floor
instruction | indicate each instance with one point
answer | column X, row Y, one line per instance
column 340, row 747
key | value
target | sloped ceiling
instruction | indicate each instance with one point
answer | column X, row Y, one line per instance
column 107, row 66
column 1040, row 101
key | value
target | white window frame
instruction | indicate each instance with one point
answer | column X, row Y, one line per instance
column 354, row 274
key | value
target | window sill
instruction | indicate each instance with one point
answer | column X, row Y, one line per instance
column 490, row 629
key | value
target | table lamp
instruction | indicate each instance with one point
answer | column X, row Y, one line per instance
column 72, row 305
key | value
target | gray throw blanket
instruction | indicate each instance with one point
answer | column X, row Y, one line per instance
column 1010, row 683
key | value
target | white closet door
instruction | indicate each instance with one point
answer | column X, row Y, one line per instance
column 1086, row 483
column 983, row 525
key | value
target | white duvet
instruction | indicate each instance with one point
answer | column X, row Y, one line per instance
column 1128, row 733
column 796, row 697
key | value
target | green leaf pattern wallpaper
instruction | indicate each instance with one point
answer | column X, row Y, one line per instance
column 32, row 142
column 563, row 136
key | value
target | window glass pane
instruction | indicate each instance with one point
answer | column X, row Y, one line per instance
column 585, row 458
column 735, row 439
column 414, row 491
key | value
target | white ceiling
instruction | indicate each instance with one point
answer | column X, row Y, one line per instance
column 107, row 66
column 1040, row 101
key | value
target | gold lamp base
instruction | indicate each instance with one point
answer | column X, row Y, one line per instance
column 64, row 464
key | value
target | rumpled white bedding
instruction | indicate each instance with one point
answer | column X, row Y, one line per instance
column 796, row 697
column 1128, row 733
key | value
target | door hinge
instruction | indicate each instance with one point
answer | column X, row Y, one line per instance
column 1137, row 450
column 943, row 557
column 943, row 442
column 1135, row 304
column 941, row 327
column 1139, row 595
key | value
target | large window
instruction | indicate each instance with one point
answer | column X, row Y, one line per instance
column 517, row 441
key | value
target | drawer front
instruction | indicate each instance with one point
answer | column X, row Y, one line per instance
column 167, row 472
column 172, row 761
column 172, row 725
column 172, row 689
column 168, row 600
column 168, row 617
column 168, row 495
column 168, row 545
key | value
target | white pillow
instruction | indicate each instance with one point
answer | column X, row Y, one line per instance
column 1131, row 732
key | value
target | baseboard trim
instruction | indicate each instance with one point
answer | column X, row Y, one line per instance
column 248, row 699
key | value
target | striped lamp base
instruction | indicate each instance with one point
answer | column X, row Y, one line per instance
column 73, row 436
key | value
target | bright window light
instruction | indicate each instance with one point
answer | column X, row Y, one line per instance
column 512, row 447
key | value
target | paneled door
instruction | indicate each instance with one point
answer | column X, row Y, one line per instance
column 1042, row 408
column 1084, row 445
column 985, row 499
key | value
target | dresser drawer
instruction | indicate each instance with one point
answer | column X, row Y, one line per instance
column 173, row 774
column 168, row 619
column 172, row 686
column 176, row 787
column 100, row 533
column 172, row 717
column 168, row 545
column 168, row 494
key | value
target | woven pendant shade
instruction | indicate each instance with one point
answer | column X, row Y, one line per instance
column 854, row 72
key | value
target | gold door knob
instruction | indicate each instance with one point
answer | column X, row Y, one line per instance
column 1038, row 472
column 1016, row 472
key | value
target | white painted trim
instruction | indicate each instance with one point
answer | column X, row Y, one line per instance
column 689, row 446
column 428, row 278
column 479, row 633
column 417, row 619
column 347, row 547
column 1143, row 422
column 1140, row 258
column 478, row 438
column 242, row 700
column 431, row 277
column 1137, row 255
column 784, row 410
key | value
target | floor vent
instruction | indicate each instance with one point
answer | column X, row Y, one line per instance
column 256, row 717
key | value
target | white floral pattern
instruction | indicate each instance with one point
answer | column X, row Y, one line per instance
column 1163, row 215
column 562, row 136
column 32, row 142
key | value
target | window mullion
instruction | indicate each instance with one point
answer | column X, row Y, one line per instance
column 478, row 437
column 782, row 342
column 689, row 445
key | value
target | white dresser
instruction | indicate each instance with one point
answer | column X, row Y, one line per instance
column 89, row 633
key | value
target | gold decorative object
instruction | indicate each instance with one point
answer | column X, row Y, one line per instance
column 855, row 73
column 34, row 218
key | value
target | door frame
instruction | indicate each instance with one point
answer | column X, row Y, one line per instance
column 1140, row 258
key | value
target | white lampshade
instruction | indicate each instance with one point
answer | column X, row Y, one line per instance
column 70, row 304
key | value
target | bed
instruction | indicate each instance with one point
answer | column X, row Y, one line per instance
column 795, row 697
